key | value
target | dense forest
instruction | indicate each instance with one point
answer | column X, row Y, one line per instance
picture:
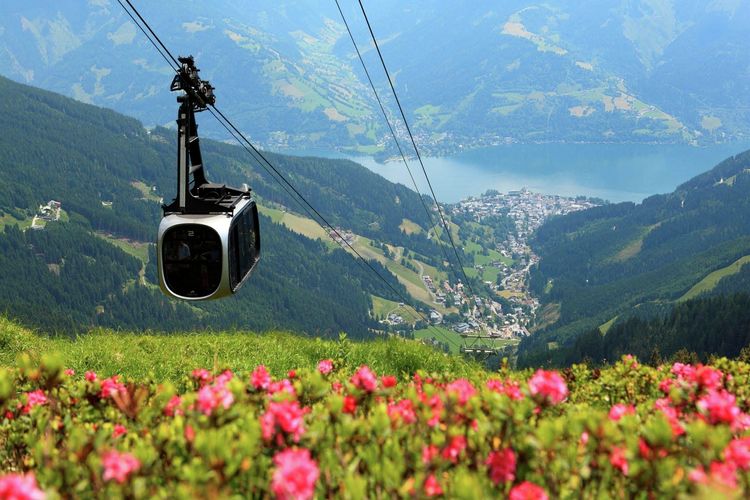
column 718, row 325
column 102, row 166
column 606, row 262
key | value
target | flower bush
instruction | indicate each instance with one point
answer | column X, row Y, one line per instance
column 325, row 431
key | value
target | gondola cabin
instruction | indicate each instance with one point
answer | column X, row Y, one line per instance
column 208, row 256
column 209, row 238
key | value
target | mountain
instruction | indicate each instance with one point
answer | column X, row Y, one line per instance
column 602, row 266
column 468, row 73
column 95, row 265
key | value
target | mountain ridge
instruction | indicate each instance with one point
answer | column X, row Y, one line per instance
column 528, row 71
column 601, row 265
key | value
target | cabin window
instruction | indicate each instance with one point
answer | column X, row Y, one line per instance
column 243, row 245
column 192, row 255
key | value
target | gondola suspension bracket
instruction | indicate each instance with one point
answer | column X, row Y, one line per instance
column 209, row 237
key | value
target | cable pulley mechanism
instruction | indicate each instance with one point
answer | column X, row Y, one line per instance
column 209, row 237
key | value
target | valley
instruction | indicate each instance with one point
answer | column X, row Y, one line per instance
column 559, row 308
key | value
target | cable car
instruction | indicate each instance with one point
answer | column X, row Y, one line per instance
column 209, row 238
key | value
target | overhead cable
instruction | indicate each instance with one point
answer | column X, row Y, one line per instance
column 258, row 156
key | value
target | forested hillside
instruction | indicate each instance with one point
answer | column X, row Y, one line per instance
column 601, row 266
column 92, row 266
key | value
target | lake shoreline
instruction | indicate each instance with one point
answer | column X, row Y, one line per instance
column 610, row 171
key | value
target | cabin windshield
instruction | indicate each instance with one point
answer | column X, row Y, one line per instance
column 191, row 254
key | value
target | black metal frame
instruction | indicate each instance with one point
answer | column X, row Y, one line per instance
column 197, row 196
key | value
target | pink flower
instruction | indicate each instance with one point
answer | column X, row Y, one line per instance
column 111, row 387
column 282, row 386
column 738, row 453
column 325, row 366
column 402, row 410
column 119, row 431
column 644, row 449
column 528, row 491
column 618, row 459
column 719, row 406
column 223, row 378
column 432, row 487
column 629, row 360
column 212, row 396
column 70, row 372
column 584, row 438
column 173, row 406
column 709, row 378
column 548, row 386
column 202, row 375
column 429, row 453
column 463, row 390
column 286, row 416
column 741, row 423
column 510, row 388
column 685, row 372
column 90, row 376
column 454, row 449
column 388, row 381
column 724, row 474
column 671, row 414
column 698, row 475
column 295, row 475
column 189, row 433
column 365, row 379
column 350, row 404
column 666, row 385
column 20, row 487
column 620, row 410
column 34, row 398
column 119, row 466
column 260, row 378
column 436, row 405
column 502, row 465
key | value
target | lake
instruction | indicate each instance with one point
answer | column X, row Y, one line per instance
column 615, row 172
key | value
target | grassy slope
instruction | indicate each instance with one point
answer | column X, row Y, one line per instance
column 307, row 227
column 381, row 306
column 170, row 357
column 711, row 280
column 136, row 249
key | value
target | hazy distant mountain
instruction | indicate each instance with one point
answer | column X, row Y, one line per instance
column 467, row 72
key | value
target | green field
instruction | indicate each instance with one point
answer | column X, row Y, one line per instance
column 146, row 191
column 300, row 225
column 471, row 272
column 411, row 280
column 171, row 357
column 410, row 227
column 492, row 255
column 489, row 273
column 381, row 307
column 440, row 333
column 709, row 282
column 137, row 249
column 407, row 277
column 606, row 326
column 9, row 220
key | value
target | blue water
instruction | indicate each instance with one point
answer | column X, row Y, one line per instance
column 615, row 172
